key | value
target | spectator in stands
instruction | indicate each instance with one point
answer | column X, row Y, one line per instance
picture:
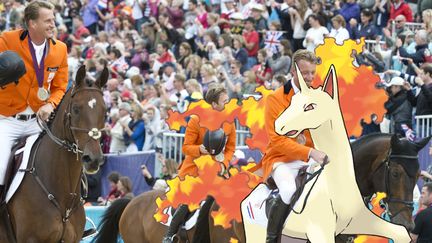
column 422, row 232
column 90, row 16
column 134, row 132
column 315, row 35
column 402, row 31
column 372, row 127
column 423, row 101
column 278, row 81
column 318, row 10
column 381, row 9
column 280, row 62
column 240, row 53
column 208, row 76
column 400, row 7
column 398, row 105
column 427, row 19
column 299, row 14
column 169, row 171
column 349, row 10
column 114, row 193
column 427, row 174
column 233, row 80
column 339, row 31
column 250, row 84
column 263, row 72
column 185, row 50
column 165, row 55
column 117, row 140
column 365, row 28
column 419, row 57
column 153, row 127
column 124, row 186
column 177, row 98
column 251, row 40
column 94, row 187
column 194, row 89
column 80, row 31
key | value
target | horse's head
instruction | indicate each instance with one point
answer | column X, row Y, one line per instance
column 85, row 117
column 310, row 107
column 400, row 178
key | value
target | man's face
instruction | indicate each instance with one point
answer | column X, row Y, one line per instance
column 159, row 49
column 425, row 197
column 399, row 22
column 44, row 25
column 307, row 70
column 223, row 99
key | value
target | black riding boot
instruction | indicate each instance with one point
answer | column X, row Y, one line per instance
column 178, row 219
column 276, row 219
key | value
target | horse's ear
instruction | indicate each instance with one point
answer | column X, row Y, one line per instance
column 303, row 86
column 330, row 85
column 420, row 144
column 103, row 78
column 80, row 76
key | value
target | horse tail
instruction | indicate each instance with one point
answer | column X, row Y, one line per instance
column 109, row 226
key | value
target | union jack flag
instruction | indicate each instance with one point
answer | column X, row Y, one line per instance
column 272, row 40
column 409, row 133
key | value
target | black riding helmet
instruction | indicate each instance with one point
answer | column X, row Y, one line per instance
column 214, row 141
column 12, row 68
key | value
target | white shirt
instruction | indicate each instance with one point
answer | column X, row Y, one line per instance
column 340, row 35
column 317, row 35
column 39, row 51
column 296, row 89
column 179, row 99
column 299, row 32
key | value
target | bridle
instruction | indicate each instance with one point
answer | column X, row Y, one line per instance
column 93, row 133
column 409, row 204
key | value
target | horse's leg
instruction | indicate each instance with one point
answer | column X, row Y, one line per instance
column 367, row 223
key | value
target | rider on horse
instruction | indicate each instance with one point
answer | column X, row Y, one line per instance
column 195, row 146
column 285, row 156
column 42, row 86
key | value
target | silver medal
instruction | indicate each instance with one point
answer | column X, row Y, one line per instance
column 43, row 94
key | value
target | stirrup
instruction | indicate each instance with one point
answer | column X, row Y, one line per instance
column 169, row 239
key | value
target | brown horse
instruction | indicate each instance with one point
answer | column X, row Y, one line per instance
column 47, row 206
column 134, row 220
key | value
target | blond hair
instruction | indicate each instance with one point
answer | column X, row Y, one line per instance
column 31, row 12
column 304, row 55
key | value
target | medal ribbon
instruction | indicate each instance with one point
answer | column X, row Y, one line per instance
column 39, row 69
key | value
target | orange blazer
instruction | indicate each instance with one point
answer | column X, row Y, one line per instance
column 281, row 148
column 194, row 137
column 16, row 98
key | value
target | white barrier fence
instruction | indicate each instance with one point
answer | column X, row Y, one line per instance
column 172, row 143
column 423, row 125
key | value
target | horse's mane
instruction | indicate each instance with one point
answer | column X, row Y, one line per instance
column 54, row 113
column 367, row 139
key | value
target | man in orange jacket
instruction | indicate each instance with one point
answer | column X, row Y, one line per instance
column 43, row 85
column 285, row 156
column 193, row 148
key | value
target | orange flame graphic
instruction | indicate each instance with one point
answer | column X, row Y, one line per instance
column 378, row 210
column 228, row 193
column 358, row 98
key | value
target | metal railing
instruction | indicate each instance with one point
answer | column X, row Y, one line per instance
column 172, row 144
column 423, row 125
column 371, row 45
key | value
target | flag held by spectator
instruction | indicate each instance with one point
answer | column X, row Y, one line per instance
column 272, row 40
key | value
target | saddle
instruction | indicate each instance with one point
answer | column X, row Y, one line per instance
column 300, row 181
column 15, row 161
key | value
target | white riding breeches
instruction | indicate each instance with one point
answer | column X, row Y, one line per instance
column 284, row 175
column 12, row 129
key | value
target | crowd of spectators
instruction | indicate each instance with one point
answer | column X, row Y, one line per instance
column 164, row 54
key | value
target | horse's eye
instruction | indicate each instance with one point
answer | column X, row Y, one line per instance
column 75, row 109
column 395, row 174
column 310, row 107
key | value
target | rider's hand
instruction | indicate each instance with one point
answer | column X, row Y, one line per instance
column 318, row 156
column 45, row 111
column 203, row 150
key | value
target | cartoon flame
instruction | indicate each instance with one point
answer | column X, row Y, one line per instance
column 358, row 95
column 378, row 210
column 228, row 193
